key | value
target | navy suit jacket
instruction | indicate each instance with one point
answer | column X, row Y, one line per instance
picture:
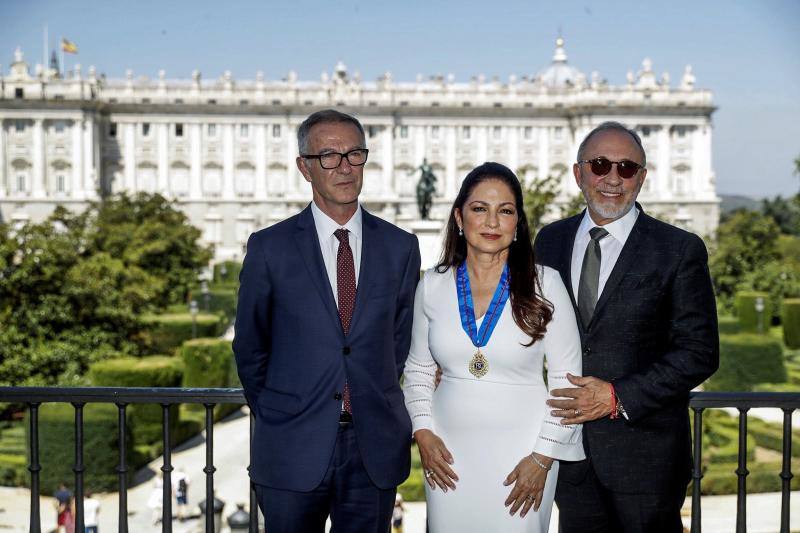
column 654, row 336
column 293, row 356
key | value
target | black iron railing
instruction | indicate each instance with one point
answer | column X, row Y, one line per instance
column 122, row 397
column 33, row 397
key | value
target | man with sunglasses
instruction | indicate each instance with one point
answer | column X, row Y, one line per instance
column 323, row 328
column 645, row 307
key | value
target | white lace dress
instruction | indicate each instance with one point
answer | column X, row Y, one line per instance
column 492, row 422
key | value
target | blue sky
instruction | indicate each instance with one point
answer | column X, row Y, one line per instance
column 746, row 52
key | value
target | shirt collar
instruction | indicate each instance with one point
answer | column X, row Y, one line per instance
column 326, row 226
column 619, row 229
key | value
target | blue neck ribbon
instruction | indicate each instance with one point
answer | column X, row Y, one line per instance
column 466, row 309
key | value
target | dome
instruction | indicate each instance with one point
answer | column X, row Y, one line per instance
column 559, row 74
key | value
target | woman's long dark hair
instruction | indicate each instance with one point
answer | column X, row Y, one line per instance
column 531, row 312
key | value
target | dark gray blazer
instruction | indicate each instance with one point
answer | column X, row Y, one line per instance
column 654, row 336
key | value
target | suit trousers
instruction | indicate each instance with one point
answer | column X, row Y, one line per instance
column 589, row 507
column 346, row 493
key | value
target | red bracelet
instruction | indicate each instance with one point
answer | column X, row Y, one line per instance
column 614, row 414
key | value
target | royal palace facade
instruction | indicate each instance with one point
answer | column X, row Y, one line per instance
column 225, row 149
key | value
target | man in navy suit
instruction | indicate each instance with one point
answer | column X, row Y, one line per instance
column 323, row 329
column 648, row 322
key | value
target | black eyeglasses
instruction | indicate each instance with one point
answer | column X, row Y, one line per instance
column 332, row 160
column 601, row 166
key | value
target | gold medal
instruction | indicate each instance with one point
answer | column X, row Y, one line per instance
column 478, row 366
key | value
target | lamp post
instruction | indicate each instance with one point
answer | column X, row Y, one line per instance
column 760, row 310
column 206, row 295
column 193, row 311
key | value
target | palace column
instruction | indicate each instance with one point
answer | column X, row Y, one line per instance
column 451, row 180
column 261, row 161
column 38, row 189
column 387, row 157
column 129, row 132
column 661, row 188
column 4, row 188
column 163, row 186
column 227, row 161
column 195, row 158
column 78, row 190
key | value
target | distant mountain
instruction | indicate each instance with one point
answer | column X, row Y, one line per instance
column 731, row 202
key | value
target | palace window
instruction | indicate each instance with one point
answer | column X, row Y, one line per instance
column 372, row 131
column 434, row 132
column 19, row 125
column 61, row 183
column 558, row 132
column 211, row 130
column 276, row 131
column 179, row 130
column 528, row 133
column 112, row 129
column 497, row 132
column 145, row 129
column 19, row 92
column 59, row 126
column 466, row 132
column 20, row 182
column 644, row 131
column 404, row 132
column 244, row 131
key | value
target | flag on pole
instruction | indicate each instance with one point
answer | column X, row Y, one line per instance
column 68, row 46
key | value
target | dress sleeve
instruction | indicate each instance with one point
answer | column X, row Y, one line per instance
column 420, row 370
column 562, row 348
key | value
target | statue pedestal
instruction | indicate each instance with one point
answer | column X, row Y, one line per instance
column 431, row 239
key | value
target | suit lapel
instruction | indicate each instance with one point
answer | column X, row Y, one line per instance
column 368, row 269
column 566, row 255
column 624, row 262
column 307, row 243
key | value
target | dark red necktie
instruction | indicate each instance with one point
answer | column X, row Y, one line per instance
column 346, row 291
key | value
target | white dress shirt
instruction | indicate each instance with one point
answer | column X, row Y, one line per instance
column 329, row 244
column 610, row 247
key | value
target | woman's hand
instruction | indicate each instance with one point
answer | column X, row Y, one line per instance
column 528, row 479
column 436, row 460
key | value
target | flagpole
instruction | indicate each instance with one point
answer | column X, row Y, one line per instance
column 63, row 62
column 46, row 46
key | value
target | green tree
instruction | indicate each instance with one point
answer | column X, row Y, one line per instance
column 148, row 232
column 785, row 212
column 745, row 242
column 575, row 205
column 539, row 196
column 73, row 289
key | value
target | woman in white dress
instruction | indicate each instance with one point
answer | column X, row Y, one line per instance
column 488, row 318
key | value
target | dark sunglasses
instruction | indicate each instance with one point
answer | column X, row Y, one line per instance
column 601, row 166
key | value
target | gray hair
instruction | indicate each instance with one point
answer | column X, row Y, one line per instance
column 613, row 126
column 325, row 116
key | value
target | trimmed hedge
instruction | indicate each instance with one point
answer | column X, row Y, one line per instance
column 154, row 371
column 100, row 444
column 745, row 302
column 221, row 300
column 207, row 364
column 231, row 271
column 728, row 325
column 413, row 489
column 764, row 477
column 165, row 333
column 746, row 359
column 790, row 319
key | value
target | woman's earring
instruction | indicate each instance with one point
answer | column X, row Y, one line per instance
column 515, row 235
column 460, row 232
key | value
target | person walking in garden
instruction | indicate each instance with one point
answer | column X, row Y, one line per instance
column 323, row 328
column 647, row 316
